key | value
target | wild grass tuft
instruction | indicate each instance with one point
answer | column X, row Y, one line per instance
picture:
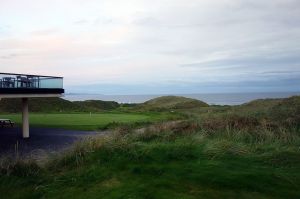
column 19, row 167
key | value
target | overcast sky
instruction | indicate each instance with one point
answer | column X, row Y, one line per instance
column 155, row 46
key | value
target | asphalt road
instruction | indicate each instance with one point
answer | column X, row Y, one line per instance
column 42, row 140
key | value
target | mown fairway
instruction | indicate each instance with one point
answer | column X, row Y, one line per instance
column 84, row 121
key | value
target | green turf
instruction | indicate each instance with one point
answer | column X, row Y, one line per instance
column 248, row 151
column 163, row 167
column 85, row 121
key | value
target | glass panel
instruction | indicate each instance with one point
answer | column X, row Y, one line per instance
column 29, row 81
column 51, row 83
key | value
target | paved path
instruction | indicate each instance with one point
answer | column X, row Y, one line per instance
column 42, row 140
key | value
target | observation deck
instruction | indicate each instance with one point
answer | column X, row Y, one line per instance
column 24, row 85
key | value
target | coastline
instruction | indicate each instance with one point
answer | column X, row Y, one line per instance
column 210, row 98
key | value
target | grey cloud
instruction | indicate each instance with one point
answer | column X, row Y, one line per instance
column 251, row 42
column 81, row 22
column 290, row 72
column 146, row 21
column 45, row 31
column 181, row 87
column 10, row 56
column 97, row 21
column 106, row 21
column 267, row 62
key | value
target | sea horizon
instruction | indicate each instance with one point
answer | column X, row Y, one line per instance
column 210, row 98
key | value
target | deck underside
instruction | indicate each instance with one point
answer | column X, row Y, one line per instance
column 30, row 92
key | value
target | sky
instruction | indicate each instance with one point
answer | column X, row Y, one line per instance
column 155, row 47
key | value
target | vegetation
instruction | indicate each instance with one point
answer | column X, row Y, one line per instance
column 97, row 105
column 90, row 121
column 171, row 103
column 54, row 105
column 39, row 105
column 246, row 151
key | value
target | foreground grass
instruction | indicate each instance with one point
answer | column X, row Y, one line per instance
column 248, row 151
column 85, row 121
column 163, row 162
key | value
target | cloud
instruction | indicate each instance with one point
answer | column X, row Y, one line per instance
column 9, row 56
column 142, row 42
column 44, row 32
column 273, row 85
column 260, row 62
column 81, row 22
column 281, row 72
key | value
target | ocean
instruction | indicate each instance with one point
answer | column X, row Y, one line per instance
column 212, row 99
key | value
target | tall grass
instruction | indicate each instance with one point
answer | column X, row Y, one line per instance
column 221, row 134
column 210, row 154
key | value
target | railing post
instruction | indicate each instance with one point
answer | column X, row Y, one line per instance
column 25, row 118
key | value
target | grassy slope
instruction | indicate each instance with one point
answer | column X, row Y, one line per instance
column 220, row 152
column 165, row 164
column 171, row 103
column 39, row 105
column 97, row 105
column 57, row 105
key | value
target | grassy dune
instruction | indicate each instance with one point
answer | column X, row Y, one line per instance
column 54, row 105
column 247, row 151
column 170, row 103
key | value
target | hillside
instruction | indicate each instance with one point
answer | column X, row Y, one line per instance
column 62, row 105
column 39, row 105
column 287, row 111
column 274, row 109
column 55, row 105
column 262, row 103
column 171, row 102
column 97, row 105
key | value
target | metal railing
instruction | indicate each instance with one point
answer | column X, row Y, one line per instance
column 24, row 81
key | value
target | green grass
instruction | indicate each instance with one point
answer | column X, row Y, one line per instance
column 85, row 121
column 54, row 105
column 156, row 164
column 170, row 103
column 248, row 151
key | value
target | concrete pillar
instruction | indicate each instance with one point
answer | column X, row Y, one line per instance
column 25, row 118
